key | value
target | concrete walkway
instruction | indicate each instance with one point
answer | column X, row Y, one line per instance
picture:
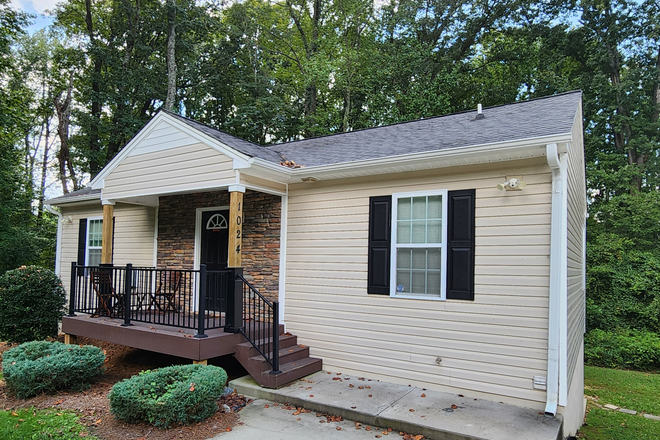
column 435, row 415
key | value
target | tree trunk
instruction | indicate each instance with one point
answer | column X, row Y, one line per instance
column 171, row 60
column 44, row 167
column 94, row 147
column 63, row 110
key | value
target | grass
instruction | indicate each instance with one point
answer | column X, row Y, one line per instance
column 40, row 424
column 602, row 424
column 628, row 389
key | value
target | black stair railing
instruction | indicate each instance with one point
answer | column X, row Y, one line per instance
column 260, row 319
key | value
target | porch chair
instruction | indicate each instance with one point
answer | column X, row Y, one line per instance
column 167, row 291
column 109, row 299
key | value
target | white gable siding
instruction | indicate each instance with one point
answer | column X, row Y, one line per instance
column 166, row 161
column 134, row 235
column 492, row 345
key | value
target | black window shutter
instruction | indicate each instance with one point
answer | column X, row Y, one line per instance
column 460, row 249
column 82, row 242
column 380, row 215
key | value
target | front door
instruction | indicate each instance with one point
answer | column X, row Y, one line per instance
column 214, row 246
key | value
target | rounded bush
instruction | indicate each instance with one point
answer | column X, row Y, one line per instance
column 180, row 394
column 44, row 367
column 31, row 304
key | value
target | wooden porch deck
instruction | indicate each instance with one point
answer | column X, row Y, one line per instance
column 154, row 337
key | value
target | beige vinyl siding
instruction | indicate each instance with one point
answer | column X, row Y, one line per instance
column 134, row 235
column 492, row 345
column 577, row 207
column 172, row 170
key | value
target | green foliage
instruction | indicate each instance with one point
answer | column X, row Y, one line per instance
column 35, row 424
column 628, row 349
column 628, row 389
column 31, row 304
column 44, row 367
column 180, row 394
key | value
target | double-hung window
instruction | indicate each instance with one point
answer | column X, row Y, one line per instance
column 419, row 245
column 94, row 241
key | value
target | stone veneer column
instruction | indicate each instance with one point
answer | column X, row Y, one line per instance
column 261, row 234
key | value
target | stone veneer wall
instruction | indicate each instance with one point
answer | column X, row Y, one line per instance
column 261, row 234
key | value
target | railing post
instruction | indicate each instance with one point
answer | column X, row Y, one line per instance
column 234, row 312
column 201, row 302
column 128, row 287
column 276, row 338
column 72, row 290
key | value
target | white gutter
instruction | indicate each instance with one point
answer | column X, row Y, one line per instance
column 557, row 317
column 58, row 241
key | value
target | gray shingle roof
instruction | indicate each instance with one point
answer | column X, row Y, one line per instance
column 238, row 144
column 553, row 115
column 75, row 196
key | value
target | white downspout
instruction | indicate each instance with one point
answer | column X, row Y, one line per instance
column 557, row 307
column 284, row 218
column 58, row 241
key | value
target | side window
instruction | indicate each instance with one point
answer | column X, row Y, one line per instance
column 94, row 242
column 422, row 244
column 419, row 251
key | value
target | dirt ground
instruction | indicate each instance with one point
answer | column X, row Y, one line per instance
column 94, row 406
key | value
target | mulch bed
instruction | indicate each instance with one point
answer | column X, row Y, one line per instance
column 94, row 407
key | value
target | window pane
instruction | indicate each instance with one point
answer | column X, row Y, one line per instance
column 403, row 209
column 419, row 231
column 94, row 257
column 95, row 232
column 419, row 208
column 434, row 231
column 433, row 278
column 403, row 232
column 435, row 207
column 419, row 259
column 403, row 281
column 403, row 259
column 418, row 282
column 434, row 259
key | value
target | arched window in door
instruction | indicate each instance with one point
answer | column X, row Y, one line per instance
column 217, row 221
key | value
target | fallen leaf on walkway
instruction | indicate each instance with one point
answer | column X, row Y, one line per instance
column 298, row 418
column 338, row 428
column 378, row 436
column 311, row 395
column 336, row 378
column 423, row 395
column 350, row 385
column 460, row 395
column 453, row 406
column 370, row 395
column 368, row 428
column 411, row 410
column 228, row 429
column 266, row 406
column 321, row 421
column 368, row 387
column 385, row 433
column 353, row 407
column 298, row 411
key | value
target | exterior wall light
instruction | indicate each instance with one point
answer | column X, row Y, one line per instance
column 512, row 184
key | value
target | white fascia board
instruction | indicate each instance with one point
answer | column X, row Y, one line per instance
column 99, row 180
column 78, row 201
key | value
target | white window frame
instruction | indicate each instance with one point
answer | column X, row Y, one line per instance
column 442, row 246
column 87, row 247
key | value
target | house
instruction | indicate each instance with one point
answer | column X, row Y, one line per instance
column 446, row 252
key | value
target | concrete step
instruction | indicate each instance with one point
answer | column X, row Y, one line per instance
column 291, row 371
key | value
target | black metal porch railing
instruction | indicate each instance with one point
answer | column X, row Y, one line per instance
column 194, row 299
column 261, row 323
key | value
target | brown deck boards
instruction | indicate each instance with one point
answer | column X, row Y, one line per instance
column 154, row 337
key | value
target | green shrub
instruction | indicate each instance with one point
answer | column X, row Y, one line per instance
column 181, row 394
column 627, row 349
column 43, row 367
column 31, row 304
